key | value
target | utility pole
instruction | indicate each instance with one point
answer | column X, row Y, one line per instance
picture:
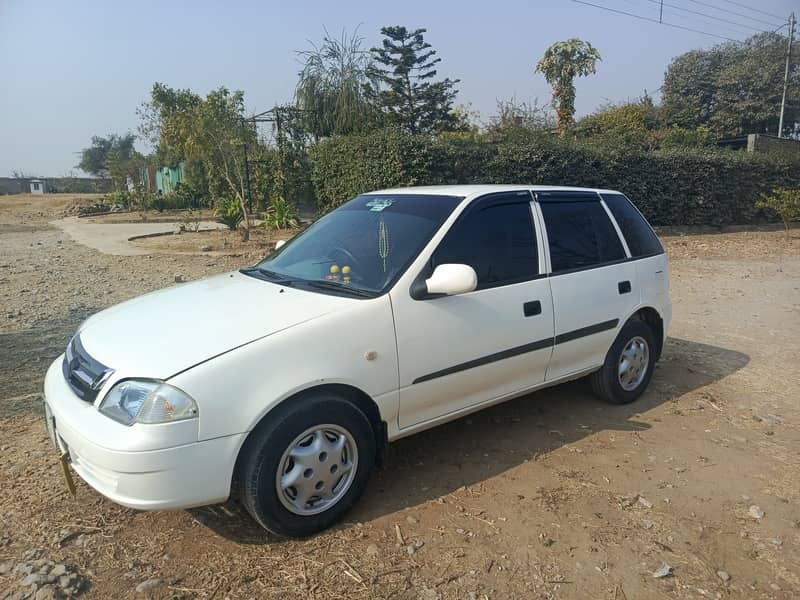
column 786, row 73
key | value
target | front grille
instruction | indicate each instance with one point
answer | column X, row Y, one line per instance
column 84, row 374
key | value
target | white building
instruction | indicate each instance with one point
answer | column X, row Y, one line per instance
column 37, row 186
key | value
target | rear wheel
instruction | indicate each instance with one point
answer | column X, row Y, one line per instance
column 629, row 364
column 305, row 467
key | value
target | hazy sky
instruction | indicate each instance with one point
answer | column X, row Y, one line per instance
column 73, row 69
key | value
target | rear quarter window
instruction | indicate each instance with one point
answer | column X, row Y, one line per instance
column 642, row 241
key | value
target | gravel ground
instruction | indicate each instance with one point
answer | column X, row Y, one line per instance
column 554, row 495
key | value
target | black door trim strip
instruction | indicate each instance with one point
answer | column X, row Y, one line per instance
column 584, row 331
column 524, row 349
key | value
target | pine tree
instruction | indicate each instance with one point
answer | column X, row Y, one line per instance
column 408, row 94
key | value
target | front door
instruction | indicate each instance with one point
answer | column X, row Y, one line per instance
column 455, row 352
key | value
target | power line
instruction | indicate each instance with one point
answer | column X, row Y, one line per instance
column 656, row 21
column 763, row 12
column 733, row 12
column 702, row 14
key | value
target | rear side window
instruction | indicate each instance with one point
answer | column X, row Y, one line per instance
column 497, row 241
column 639, row 235
column 580, row 235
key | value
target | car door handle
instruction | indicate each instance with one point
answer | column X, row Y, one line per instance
column 532, row 308
column 624, row 287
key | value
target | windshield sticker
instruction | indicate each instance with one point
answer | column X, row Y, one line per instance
column 378, row 204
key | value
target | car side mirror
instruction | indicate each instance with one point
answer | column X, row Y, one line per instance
column 452, row 279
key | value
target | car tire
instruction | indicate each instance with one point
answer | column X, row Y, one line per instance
column 624, row 377
column 306, row 465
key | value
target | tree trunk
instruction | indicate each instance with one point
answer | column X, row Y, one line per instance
column 244, row 226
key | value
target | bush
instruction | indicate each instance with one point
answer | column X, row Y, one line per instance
column 677, row 186
column 784, row 203
column 280, row 215
column 122, row 198
column 229, row 212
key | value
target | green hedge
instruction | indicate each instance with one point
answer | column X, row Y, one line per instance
column 671, row 187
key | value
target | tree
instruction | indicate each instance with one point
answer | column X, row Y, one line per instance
column 209, row 130
column 732, row 88
column 561, row 64
column 113, row 156
column 408, row 95
column 515, row 115
column 632, row 125
column 783, row 202
column 333, row 86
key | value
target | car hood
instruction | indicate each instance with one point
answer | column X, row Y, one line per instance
column 162, row 333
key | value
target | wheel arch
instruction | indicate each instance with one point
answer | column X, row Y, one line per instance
column 652, row 317
column 350, row 393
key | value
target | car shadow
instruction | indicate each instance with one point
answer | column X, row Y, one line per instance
column 472, row 449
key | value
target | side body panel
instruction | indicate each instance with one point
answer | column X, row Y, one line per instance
column 235, row 390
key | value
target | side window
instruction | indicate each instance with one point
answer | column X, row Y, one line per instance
column 580, row 235
column 498, row 241
column 639, row 235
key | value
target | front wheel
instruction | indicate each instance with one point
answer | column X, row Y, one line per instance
column 628, row 366
column 306, row 465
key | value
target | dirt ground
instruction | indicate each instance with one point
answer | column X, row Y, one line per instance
column 554, row 495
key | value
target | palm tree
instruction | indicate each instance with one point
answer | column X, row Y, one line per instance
column 334, row 85
column 561, row 64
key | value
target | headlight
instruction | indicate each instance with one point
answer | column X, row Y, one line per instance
column 143, row 401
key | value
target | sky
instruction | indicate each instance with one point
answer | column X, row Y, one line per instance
column 73, row 69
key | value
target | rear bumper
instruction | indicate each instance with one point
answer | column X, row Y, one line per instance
column 186, row 475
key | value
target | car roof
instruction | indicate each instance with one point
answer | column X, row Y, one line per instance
column 469, row 190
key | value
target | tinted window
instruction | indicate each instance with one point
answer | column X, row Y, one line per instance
column 580, row 235
column 497, row 241
column 640, row 237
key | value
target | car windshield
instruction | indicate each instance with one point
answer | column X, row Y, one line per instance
column 360, row 248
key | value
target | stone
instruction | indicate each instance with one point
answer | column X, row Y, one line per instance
column 645, row 502
column 756, row 512
column 34, row 579
column 768, row 418
column 178, row 278
column 410, row 549
column 58, row 570
column 48, row 592
column 6, row 567
column 411, row 520
column 372, row 550
column 723, row 575
column 205, row 248
column 663, row 571
column 148, row 585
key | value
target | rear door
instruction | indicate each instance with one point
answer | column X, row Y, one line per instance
column 593, row 282
column 460, row 351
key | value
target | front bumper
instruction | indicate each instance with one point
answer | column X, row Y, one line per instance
column 185, row 475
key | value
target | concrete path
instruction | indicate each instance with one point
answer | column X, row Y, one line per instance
column 112, row 238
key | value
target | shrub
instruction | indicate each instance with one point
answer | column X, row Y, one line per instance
column 121, row 198
column 280, row 215
column 784, row 203
column 676, row 186
column 229, row 212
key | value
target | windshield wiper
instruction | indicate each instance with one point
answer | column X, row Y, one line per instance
column 267, row 275
column 338, row 287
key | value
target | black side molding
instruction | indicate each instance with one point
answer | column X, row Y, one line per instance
column 584, row 331
column 524, row 349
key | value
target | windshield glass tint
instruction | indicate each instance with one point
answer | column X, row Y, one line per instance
column 364, row 244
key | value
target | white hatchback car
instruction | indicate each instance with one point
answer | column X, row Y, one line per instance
column 396, row 312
